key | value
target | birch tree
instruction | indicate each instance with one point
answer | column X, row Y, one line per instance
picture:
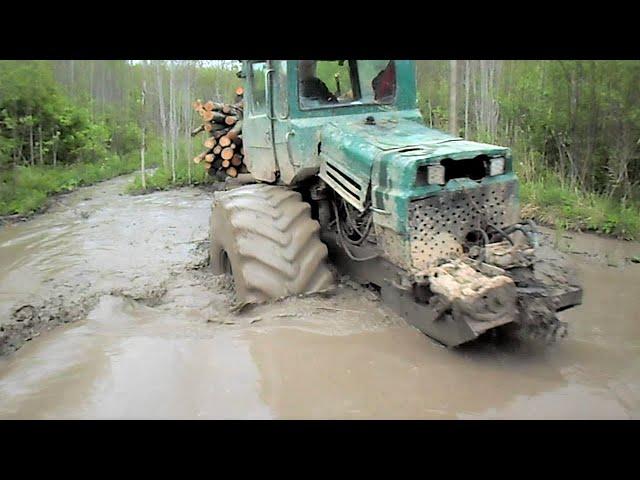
column 453, row 98
column 172, row 121
column 163, row 117
column 143, row 145
column 466, row 99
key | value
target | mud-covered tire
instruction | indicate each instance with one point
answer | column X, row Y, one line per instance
column 265, row 237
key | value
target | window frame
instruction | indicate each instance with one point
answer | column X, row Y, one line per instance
column 354, row 77
column 252, row 104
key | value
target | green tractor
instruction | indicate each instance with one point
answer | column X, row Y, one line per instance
column 343, row 168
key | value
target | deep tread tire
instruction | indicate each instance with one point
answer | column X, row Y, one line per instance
column 271, row 242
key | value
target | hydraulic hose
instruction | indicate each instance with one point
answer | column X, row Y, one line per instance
column 341, row 240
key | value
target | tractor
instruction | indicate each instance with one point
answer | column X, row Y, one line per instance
column 344, row 171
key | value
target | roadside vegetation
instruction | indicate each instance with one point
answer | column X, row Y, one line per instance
column 66, row 124
column 162, row 179
column 25, row 189
column 550, row 203
column 573, row 126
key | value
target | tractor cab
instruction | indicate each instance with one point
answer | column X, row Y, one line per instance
column 290, row 101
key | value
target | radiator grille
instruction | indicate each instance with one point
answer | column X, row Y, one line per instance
column 439, row 224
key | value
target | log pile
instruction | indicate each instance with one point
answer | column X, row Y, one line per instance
column 224, row 154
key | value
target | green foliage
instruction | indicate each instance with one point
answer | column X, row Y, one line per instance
column 326, row 71
column 24, row 190
column 573, row 127
column 162, row 179
column 547, row 201
column 125, row 137
column 37, row 116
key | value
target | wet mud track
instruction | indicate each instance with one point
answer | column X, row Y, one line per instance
column 151, row 333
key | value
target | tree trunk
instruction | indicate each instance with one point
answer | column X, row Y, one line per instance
column 466, row 99
column 31, row 159
column 453, row 98
column 484, row 94
column 172, row 121
column 143, row 145
column 476, row 97
column 91, row 70
column 163, row 118
column 187, row 117
column 41, row 159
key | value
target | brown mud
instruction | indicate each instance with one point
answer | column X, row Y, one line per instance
column 156, row 336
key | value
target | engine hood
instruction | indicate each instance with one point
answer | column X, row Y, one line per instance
column 399, row 133
column 382, row 159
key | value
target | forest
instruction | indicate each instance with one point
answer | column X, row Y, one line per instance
column 573, row 126
column 70, row 123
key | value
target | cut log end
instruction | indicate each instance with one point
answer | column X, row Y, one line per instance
column 224, row 155
column 227, row 153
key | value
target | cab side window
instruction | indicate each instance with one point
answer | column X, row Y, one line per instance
column 280, row 99
column 258, row 101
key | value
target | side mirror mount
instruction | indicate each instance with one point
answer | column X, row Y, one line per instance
column 240, row 74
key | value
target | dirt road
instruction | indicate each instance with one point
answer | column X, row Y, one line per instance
column 155, row 337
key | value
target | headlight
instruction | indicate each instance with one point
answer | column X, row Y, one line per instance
column 496, row 166
column 435, row 175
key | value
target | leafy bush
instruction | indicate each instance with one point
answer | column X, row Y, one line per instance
column 162, row 179
column 547, row 201
column 24, row 190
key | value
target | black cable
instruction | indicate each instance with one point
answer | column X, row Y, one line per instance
column 501, row 232
column 363, row 235
column 342, row 244
column 352, row 224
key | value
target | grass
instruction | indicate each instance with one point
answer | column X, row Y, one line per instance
column 24, row 190
column 548, row 202
column 162, row 179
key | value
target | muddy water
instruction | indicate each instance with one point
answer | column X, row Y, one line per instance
column 160, row 341
column 97, row 240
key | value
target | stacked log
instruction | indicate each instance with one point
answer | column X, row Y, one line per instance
column 222, row 122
